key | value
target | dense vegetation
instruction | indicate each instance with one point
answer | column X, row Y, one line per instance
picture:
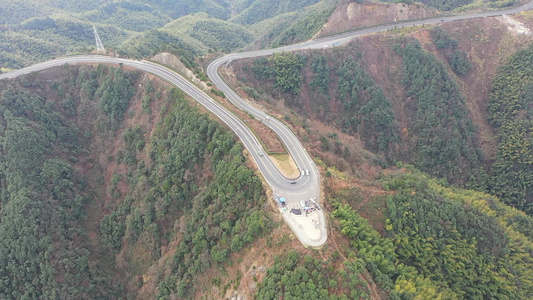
column 292, row 27
column 457, row 59
column 43, row 249
column 468, row 231
column 210, row 33
column 114, row 94
column 294, row 277
column 154, row 41
column 100, row 10
column 446, row 4
column 440, row 243
column 439, row 134
column 42, row 38
column 283, row 68
column 266, row 9
column 444, row 145
column 302, row 29
column 373, row 118
column 378, row 255
column 511, row 114
column 444, row 242
column 220, row 204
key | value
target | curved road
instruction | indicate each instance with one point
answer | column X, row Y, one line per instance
column 306, row 186
column 268, row 169
column 310, row 186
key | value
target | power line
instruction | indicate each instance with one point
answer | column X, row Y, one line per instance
column 99, row 46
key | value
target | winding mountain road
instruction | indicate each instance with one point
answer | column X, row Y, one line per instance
column 306, row 186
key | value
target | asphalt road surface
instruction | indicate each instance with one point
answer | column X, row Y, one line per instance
column 306, row 186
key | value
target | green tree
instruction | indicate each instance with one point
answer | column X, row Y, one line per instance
column 286, row 70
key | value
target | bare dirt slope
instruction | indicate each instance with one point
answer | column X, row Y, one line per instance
column 350, row 15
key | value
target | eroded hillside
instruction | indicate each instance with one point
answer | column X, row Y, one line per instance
column 349, row 15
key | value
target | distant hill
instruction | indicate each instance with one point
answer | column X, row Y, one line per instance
column 261, row 10
column 203, row 33
column 33, row 31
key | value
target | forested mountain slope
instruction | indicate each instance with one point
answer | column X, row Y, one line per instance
column 420, row 98
column 261, row 10
column 99, row 180
column 44, row 252
column 215, row 34
column 439, row 243
column 511, row 114
column 113, row 185
column 443, row 243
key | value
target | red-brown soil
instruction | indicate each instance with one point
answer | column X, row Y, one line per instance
column 351, row 15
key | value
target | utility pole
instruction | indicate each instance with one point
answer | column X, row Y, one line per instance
column 99, row 46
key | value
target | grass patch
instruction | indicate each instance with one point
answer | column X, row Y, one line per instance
column 286, row 165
